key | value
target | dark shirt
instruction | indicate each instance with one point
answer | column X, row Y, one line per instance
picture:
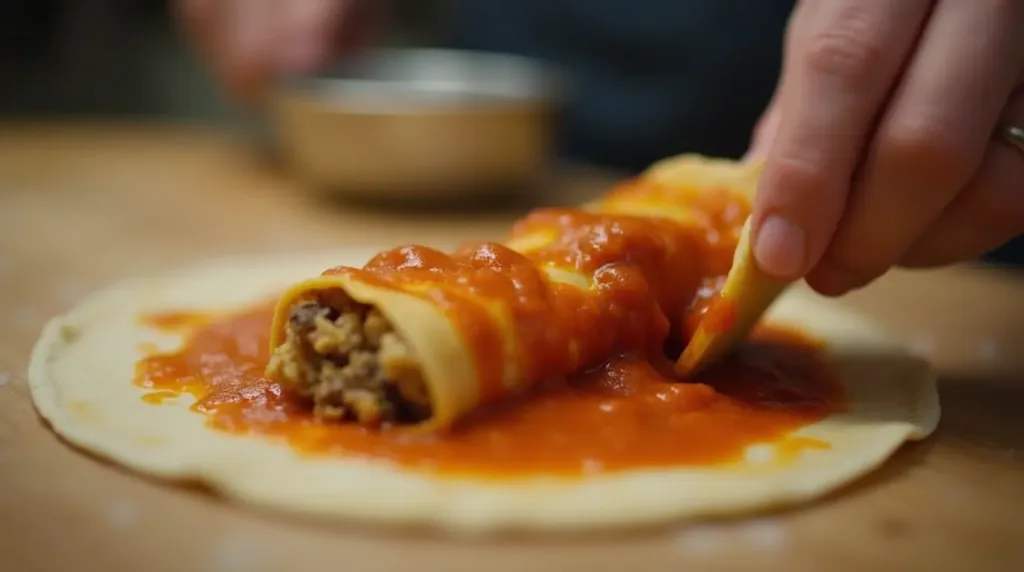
column 650, row 78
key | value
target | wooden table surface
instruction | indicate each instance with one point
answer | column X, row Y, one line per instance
column 84, row 205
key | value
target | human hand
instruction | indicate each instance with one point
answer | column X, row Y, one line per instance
column 878, row 144
column 246, row 42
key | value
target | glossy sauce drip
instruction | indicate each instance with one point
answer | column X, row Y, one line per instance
column 622, row 414
column 645, row 279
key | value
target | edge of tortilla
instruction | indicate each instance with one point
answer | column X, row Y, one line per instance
column 81, row 384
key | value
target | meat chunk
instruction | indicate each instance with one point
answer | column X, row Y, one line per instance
column 348, row 360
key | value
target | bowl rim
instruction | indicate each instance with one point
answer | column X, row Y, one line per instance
column 546, row 83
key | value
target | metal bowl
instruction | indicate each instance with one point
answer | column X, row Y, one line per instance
column 420, row 124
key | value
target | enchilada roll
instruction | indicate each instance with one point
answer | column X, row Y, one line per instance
column 419, row 336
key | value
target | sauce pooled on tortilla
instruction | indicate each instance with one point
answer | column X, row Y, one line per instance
column 646, row 278
column 619, row 416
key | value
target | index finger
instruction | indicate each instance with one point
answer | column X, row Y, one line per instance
column 842, row 57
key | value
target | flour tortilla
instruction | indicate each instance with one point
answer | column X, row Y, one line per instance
column 82, row 367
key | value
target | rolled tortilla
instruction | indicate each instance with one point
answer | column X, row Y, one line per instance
column 418, row 336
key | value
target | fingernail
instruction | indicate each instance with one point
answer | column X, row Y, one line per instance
column 781, row 247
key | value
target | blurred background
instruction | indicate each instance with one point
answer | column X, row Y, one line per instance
column 643, row 85
column 121, row 157
column 126, row 59
column 644, row 79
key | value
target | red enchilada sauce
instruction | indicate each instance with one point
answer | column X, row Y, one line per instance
column 621, row 415
column 644, row 274
column 650, row 277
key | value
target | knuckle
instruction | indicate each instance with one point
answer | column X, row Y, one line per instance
column 800, row 171
column 845, row 52
column 797, row 178
column 808, row 191
column 807, row 188
column 930, row 147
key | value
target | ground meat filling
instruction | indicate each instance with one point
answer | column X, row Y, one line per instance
column 348, row 360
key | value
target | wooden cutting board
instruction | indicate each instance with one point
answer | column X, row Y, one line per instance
column 81, row 206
